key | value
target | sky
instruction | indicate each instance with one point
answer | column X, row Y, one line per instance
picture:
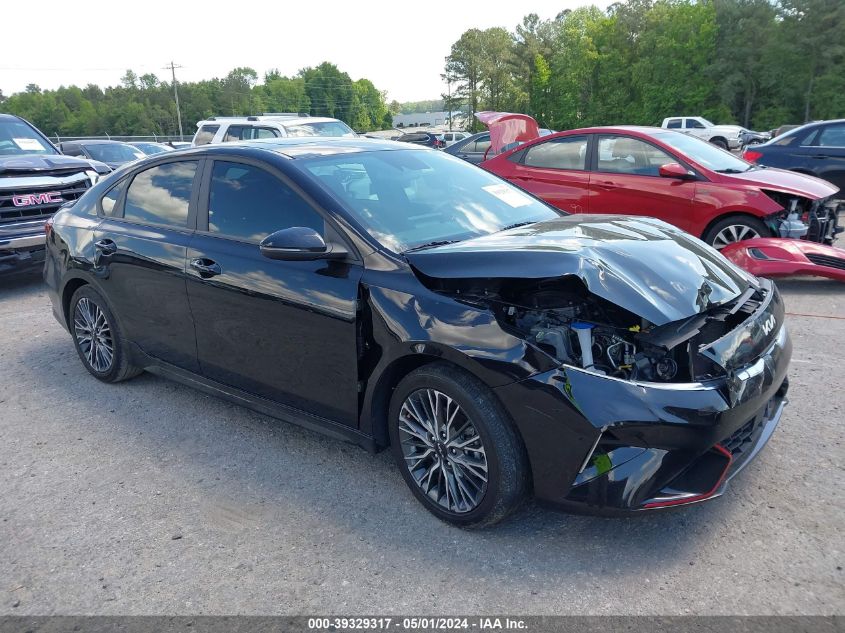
column 399, row 46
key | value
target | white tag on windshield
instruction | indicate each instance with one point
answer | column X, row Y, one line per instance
column 508, row 195
column 29, row 144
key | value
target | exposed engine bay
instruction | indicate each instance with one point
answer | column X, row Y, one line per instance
column 814, row 220
column 575, row 327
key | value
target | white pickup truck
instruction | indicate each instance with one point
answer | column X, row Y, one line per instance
column 725, row 136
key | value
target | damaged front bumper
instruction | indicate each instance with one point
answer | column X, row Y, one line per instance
column 604, row 445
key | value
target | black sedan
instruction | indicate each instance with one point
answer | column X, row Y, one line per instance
column 391, row 295
column 113, row 153
column 817, row 149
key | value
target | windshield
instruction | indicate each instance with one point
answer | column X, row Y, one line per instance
column 16, row 138
column 704, row 153
column 324, row 128
column 113, row 152
column 410, row 198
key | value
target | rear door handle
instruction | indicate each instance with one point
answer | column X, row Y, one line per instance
column 105, row 247
column 821, row 156
column 206, row 267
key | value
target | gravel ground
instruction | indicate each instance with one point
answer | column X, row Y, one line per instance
column 150, row 498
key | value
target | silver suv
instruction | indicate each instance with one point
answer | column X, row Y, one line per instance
column 271, row 125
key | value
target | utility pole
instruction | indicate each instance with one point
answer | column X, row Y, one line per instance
column 449, row 100
column 173, row 68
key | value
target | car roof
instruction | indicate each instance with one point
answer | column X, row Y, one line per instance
column 309, row 146
column 9, row 117
column 264, row 120
column 95, row 141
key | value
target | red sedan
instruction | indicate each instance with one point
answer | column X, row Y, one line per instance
column 680, row 179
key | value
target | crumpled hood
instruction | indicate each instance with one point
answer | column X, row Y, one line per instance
column 45, row 162
column 643, row 265
column 731, row 130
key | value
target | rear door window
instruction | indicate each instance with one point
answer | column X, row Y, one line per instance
column 674, row 124
column 236, row 133
column 266, row 132
column 560, row 153
column 205, row 134
column 832, row 136
column 161, row 195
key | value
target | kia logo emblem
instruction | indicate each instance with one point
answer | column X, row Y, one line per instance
column 768, row 324
column 29, row 199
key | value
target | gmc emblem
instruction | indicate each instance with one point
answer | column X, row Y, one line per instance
column 29, row 199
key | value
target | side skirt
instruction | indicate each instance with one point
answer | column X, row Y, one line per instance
column 256, row 403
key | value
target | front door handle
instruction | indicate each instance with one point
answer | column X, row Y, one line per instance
column 821, row 156
column 105, row 247
column 606, row 184
column 206, row 267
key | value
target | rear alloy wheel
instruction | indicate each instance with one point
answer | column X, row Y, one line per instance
column 93, row 335
column 96, row 336
column 735, row 229
column 456, row 447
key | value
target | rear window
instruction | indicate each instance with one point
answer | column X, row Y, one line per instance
column 674, row 124
column 160, row 195
column 205, row 134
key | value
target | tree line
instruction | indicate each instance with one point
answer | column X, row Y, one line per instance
column 145, row 105
column 761, row 63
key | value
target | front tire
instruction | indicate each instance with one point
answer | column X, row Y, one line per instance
column 97, row 337
column 718, row 142
column 456, row 447
column 735, row 229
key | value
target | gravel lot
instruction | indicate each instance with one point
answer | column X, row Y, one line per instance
column 150, row 498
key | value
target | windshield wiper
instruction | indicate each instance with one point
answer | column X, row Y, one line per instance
column 430, row 245
column 517, row 225
column 731, row 170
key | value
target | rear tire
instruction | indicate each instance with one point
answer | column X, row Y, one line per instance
column 97, row 337
column 456, row 447
column 735, row 229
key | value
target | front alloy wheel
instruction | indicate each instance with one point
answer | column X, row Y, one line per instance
column 443, row 451
column 93, row 335
column 456, row 446
column 735, row 228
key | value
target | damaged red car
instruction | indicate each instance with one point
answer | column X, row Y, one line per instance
column 677, row 178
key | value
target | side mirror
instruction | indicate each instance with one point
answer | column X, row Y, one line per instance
column 675, row 170
column 299, row 243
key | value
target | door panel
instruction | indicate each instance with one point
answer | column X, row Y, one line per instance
column 556, row 171
column 626, row 181
column 140, row 258
column 145, row 282
column 283, row 330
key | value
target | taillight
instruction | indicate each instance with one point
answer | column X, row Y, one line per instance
column 751, row 156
